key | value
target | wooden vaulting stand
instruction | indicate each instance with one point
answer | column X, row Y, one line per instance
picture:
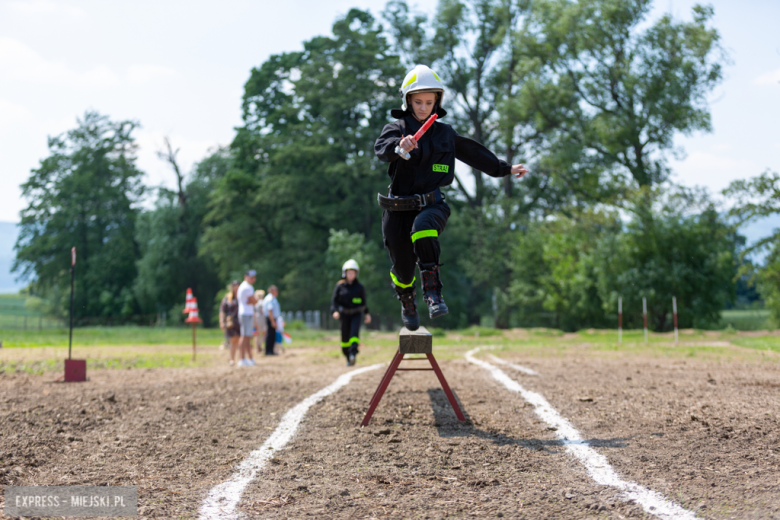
column 419, row 341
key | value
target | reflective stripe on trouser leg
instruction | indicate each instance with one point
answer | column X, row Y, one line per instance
column 350, row 333
column 396, row 232
column 426, row 233
column 399, row 283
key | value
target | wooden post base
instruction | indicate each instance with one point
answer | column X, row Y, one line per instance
column 412, row 342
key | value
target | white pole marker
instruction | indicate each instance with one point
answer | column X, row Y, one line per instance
column 519, row 368
column 223, row 498
column 674, row 310
column 620, row 320
column 595, row 463
column 644, row 315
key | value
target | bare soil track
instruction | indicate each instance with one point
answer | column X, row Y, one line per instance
column 703, row 434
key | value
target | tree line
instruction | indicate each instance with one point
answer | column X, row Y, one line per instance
column 588, row 94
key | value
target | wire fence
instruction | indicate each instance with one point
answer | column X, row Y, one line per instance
column 26, row 322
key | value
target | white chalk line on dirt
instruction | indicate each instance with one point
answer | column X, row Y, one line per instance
column 519, row 368
column 223, row 498
column 595, row 463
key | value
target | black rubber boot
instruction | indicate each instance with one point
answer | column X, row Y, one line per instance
column 431, row 282
column 409, row 309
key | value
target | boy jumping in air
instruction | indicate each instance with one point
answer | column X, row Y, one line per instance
column 415, row 213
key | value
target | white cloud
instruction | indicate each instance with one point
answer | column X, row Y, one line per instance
column 714, row 170
column 768, row 78
column 46, row 8
column 147, row 74
column 12, row 113
column 19, row 62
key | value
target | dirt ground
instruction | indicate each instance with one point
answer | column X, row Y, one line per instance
column 703, row 433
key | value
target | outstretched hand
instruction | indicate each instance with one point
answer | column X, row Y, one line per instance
column 518, row 170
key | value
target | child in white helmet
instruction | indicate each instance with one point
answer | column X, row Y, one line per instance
column 415, row 213
column 348, row 305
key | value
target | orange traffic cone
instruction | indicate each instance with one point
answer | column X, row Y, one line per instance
column 189, row 302
column 193, row 317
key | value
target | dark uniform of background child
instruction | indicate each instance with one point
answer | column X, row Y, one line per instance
column 348, row 305
column 415, row 212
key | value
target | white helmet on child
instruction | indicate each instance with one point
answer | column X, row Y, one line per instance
column 421, row 79
column 349, row 264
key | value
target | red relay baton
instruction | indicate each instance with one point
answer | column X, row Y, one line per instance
column 424, row 128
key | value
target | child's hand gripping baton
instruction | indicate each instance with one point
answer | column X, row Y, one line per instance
column 403, row 153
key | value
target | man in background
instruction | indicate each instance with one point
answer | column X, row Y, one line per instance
column 272, row 312
column 246, row 317
column 259, row 321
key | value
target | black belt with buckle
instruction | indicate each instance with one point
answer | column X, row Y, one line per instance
column 410, row 202
column 350, row 312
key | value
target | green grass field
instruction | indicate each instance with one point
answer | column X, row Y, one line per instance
column 32, row 350
column 145, row 347
column 746, row 320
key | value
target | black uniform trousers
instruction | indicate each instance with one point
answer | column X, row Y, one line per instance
column 270, row 338
column 411, row 237
column 350, row 333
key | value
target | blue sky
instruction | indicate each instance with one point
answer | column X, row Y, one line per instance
column 179, row 67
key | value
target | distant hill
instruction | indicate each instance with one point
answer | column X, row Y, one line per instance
column 759, row 229
column 8, row 234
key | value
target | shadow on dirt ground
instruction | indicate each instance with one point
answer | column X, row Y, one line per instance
column 448, row 426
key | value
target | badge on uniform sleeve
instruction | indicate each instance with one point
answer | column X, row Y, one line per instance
column 444, row 168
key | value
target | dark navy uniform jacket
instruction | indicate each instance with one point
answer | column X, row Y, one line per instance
column 432, row 164
column 348, row 296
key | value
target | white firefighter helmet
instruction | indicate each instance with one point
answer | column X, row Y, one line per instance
column 349, row 264
column 421, row 79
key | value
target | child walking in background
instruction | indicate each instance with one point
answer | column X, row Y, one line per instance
column 348, row 305
column 414, row 209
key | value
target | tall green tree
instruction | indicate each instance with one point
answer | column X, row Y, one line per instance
column 757, row 198
column 627, row 91
column 84, row 194
column 677, row 244
column 304, row 161
column 555, row 271
column 169, row 238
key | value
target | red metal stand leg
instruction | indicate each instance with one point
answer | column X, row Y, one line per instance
column 446, row 388
column 380, row 391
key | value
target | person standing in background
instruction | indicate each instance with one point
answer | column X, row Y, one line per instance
column 228, row 319
column 259, row 320
column 272, row 311
column 348, row 305
column 246, row 317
